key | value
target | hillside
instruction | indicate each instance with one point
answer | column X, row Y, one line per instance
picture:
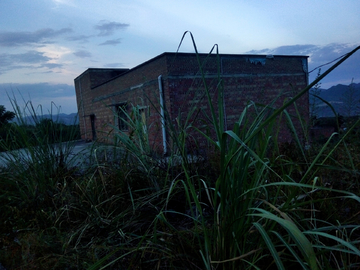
column 67, row 119
column 344, row 98
column 335, row 95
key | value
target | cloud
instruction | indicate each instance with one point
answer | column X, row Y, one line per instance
column 37, row 89
column 112, row 42
column 42, row 95
column 81, row 38
column 31, row 57
column 288, row 50
column 316, row 53
column 323, row 57
column 108, row 28
column 21, row 38
column 63, row 2
column 52, row 65
column 23, row 60
column 114, row 65
column 82, row 54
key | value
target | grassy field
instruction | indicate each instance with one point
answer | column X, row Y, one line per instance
column 248, row 203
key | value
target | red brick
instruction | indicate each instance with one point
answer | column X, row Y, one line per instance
column 98, row 90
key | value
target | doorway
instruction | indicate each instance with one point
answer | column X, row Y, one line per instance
column 92, row 120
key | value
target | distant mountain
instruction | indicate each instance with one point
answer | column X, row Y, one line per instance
column 67, row 119
column 335, row 95
column 344, row 98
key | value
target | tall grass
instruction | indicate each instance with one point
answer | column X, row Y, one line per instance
column 248, row 203
column 38, row 152
column 253, row 215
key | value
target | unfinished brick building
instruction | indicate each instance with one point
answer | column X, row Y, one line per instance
column 168, row 87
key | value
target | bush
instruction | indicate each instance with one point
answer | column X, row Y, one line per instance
column 259, row 206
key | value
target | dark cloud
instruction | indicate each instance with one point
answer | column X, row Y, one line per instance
column 33, row 59
column 108, row 28
column 82, row 54
column 30, row 57
column 11, row 66
column 287, row 50
column 5, row 60
column 21, row 38
column 323, row 57
column 263, row 51
column 112, row 42
column 52, row 65
column 114, row 65
column 329, row 52
column 42, row 95
column 317, row 54
column 80, row 38
column 36, row 89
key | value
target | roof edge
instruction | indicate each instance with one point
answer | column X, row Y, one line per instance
column 188, row 53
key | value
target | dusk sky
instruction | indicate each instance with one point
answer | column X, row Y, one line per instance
column 45, row 44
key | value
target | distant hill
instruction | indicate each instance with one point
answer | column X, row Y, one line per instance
column 338, row 96
column 335, row 95
column 67, row 119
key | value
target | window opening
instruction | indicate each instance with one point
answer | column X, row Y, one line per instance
column 121, row 111
column 142, row 115
column 93, row 131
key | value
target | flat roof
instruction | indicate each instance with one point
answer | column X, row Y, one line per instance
column 102, row 69
column 126, row 70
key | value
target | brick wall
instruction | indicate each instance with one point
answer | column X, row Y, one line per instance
column 139, row 87
column 245, row 78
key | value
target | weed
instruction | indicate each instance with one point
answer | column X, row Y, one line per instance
column 248, row 202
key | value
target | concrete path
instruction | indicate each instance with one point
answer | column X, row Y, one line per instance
column 81, row 153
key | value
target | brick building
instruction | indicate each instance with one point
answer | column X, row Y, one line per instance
column 174, row 80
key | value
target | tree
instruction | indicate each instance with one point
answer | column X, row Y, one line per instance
column 314, row 101
column 5, row 116
column 350, row 101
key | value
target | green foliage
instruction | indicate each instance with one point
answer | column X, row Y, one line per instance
column 248, row 203
column 314, row 101
column 5, row 116
column 350, row 101
column 39, row 130
column 29, row 174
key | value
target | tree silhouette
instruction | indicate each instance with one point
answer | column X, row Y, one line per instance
column 350, row 101
column 5, row 116
column 314, row 101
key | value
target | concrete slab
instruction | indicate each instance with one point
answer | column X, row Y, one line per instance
column 80, row 153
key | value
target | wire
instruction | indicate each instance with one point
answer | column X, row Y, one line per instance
column 328, row 63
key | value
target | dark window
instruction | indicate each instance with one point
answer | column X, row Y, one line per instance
column 121, row 111
column 143, row 112
column 92, row 120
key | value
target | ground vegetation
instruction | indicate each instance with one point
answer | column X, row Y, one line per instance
column 248, row 202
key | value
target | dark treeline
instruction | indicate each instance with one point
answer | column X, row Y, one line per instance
column 14, row 136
